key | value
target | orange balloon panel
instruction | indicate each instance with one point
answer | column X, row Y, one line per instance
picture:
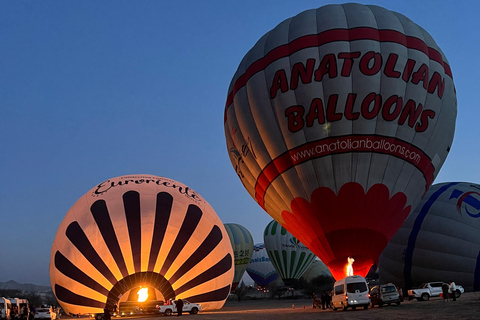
column 140, row 230
column 337, row 122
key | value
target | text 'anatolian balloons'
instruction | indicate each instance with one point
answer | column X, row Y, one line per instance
column 439, row 241
column 242, row 244
column 140, row 231
column 337, row 122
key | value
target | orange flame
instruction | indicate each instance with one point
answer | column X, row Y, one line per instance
column 142, row 294
column 350, row 267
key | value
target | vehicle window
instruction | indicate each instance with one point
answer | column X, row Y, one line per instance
column 436, row 284
column 339, row 289
column 2, row 305
column 389, row 289
column 354, row 286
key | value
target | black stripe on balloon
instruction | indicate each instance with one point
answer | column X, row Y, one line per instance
column 70, row 270
column 78, row 238
column 192, row 218
column 217, row 270
column 69, row 297
column 216, row 295
column 131, row 203
column 207, row 246
column 162, row 216
column 100, row 213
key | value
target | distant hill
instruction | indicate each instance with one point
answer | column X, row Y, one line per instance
column 24, row 286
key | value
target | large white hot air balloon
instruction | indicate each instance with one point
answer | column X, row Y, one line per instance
column 242, row 244
column 337, row 122
column 289, row 256
column 140, row 231
column 260, row 268
column 439, row 241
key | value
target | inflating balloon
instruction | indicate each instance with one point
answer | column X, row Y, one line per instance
column 289, row 256
column 337, row 122
column 140, row 231
column 242, row 244
column 260, row 268
column 440, row 240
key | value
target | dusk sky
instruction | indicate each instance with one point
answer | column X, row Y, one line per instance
column 91, row 90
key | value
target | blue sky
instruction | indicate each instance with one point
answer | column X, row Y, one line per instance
column 91, row 90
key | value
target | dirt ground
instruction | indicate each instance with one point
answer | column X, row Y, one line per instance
column 466, row 307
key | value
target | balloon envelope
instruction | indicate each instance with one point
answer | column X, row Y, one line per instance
column 260, row 268
column 439, row 241
column 288, row 255
column 140, row 231
column 242, row 244
column 337, row 122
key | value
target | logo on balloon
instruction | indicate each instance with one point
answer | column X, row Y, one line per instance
column 469, row 201
column 294, row 241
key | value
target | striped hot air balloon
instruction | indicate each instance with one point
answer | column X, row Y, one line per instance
column 140, row 231
column 289, row 256
column 242, row 244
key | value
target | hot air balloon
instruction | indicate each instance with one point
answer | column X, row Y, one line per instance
column 439, row 241
column 337, row 121
column 242, row 244
column 288, row 255
column 260, row 268
column 316, row 269
column 138, row 231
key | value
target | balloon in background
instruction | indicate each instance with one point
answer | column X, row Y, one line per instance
column 260, row 268
column 288, row 255
column 242, row 244
column 439, row 241
column 316, row 269
column 337, row 122
column 140, row 231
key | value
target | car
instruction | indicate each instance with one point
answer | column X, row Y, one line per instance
column 432, row 289
column 45, row 313
column 384, row 294
column 169, row 309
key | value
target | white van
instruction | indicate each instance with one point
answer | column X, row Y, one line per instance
column 21, row 305
column 5, row 308
column 350, row 292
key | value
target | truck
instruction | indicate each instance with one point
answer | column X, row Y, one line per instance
column 171, row 308
column 431, row 289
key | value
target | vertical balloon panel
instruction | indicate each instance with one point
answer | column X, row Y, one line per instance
column 242, row 244
column 140, row 230
column 439, row 241
column 288, row 255
column 337, row 122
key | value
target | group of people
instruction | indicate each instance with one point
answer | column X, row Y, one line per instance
column 448, row 291
column 324, row 301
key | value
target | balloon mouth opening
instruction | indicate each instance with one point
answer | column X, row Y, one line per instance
column 349, row 266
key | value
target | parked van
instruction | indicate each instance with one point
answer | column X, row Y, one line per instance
column 5, row 308
column 21, row 305
column 350, row 292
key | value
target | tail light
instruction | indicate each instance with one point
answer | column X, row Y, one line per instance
column 346, row 297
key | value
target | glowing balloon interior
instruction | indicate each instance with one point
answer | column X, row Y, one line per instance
column 133, row 232
column 337, row 122
column 439, row 240
column 242, row 244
